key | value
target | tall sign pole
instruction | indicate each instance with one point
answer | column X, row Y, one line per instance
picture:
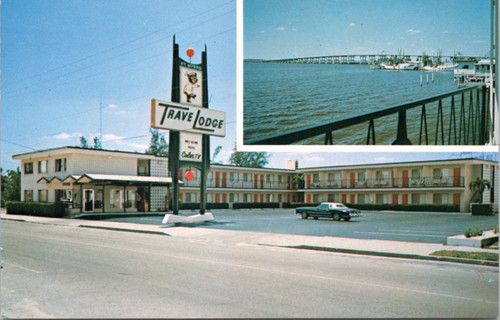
column 173, row 141
column 190, row 123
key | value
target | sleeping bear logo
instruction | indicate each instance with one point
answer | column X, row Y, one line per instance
column 190, row 87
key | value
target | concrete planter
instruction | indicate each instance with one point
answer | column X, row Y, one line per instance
column 485, row 240
column 481, row 209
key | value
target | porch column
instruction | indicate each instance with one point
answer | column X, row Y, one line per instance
column 125, row 196
column 103, row 198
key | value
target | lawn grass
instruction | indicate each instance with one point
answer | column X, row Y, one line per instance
column 467, row 255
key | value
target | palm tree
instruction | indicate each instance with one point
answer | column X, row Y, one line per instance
column 478, row 186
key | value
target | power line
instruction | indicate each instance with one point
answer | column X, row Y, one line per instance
column 120, row 45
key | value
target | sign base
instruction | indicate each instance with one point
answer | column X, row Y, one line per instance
column 173, row 218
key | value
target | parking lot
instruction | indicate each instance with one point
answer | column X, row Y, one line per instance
column 400, row 226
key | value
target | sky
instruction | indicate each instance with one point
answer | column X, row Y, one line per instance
column 276, row 29
column 62, row 62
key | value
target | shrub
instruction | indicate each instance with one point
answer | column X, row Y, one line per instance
column 299, row 204
column 255, row 205
column 40, row 209
column 407, row 207
column 495, row 230
column 473, row 232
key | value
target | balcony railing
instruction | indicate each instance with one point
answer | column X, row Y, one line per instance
column 250, row 184
column 463, row 119
column 424, row 182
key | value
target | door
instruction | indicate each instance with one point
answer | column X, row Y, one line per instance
column 217, row 179
column 224, row 180
column 456, row 199
column 456, row 177
column 352, row 198
column 405, row 179
column 394, row 199
column 88, row 200
column 344, row 198
column 353, row 179
column 405, row 199
column 308, row 181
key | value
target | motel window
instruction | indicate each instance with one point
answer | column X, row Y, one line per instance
column 361, row 176
column 269, row 178
column 440, row 198
column 233, row 176
column 63, row 195
column 362, row 198
column 116, row 198
column 28, row 195
column 380, row 198
column 28, row 167
column 246, row 197
column 316, row 177
column 437, row 173
column 416, row 173
column 130, row 199
column 43, row 195
column 316, row 198
column 187, row 197
column 280, row 198
column 42, row 166
column 269, row 197
column 245, row 177
column 382, row 175
column 60, row 164
column 233, row 197
column 417, row 198
column 281, row 179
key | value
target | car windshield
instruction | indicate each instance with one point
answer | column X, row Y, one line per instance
column 341, row 206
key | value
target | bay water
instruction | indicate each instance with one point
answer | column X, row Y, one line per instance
column 279, row 97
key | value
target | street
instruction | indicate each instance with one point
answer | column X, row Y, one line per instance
column 399, row 226
column 61, row 271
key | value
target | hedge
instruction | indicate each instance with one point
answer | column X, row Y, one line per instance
column 407, row 207
column 256, row 205
column 40, row 209
column 210, row 205
column 299, row 204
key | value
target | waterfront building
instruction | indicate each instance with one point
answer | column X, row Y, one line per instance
column 90, row 180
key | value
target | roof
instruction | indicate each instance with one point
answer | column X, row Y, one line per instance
column 108, row 178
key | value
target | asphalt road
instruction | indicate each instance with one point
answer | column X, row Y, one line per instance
column 56, row 271
column 413, row 227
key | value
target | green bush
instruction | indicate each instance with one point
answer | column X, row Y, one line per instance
column 299, row 204
column 210, row 205
column 473, row 232
column 40, row 209
column 407, row 207
column 256, row 205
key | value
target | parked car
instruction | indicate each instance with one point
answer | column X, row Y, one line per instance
column 333, row 210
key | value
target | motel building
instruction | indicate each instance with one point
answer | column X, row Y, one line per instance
column 94, row 181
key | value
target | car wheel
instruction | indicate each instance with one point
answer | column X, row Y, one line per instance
column 304, row 215
column 336, row 217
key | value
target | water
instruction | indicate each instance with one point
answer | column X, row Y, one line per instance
column 282, row 97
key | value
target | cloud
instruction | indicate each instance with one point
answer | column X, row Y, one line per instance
column 478, row 41
column 281, row 28
column 119, row 140
column 112, row 106
column 413, row 31
column 66, row 136
column 293, row 29
column 314, row 158
column 262, row 31
column 445, row 31
column 352, row 24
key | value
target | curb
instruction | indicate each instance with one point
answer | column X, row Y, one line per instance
column 392, row 255
column 125, row 230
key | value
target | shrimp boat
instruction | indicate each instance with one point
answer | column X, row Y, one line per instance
column 447, row 66
column 469, row 77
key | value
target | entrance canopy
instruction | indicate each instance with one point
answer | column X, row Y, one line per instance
column 115, row 179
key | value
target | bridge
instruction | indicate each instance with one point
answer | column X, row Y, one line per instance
column 371, row 58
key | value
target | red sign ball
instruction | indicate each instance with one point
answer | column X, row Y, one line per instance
column 190, row 52
column 189, row 175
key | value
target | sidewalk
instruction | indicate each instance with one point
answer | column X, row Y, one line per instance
column 386, row 248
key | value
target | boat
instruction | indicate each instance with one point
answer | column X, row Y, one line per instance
column 469, row 77
column 407, row 65
column 447, row 66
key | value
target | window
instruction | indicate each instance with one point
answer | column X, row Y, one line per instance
column 380, row 198
column 280, row 198
column 60, row 164
column 187, row 197
column 417, row 198
column 233, row 176
column 440, row 198
column 63, row 195
column 362, row 198
column 116, row 198
column 28, row 167
column 245, row 177
column 437, row 173
column 269, row 178
column 233, row 197
column 361, row 176
column 316, row 178
column 43, row 195
column 316, row 198
column 416, row 173
column 269, row 197
column 246, row 197
column 42, row 166
column 281, row 179
column 28, row 195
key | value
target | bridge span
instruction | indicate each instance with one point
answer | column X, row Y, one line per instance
column 368, row 58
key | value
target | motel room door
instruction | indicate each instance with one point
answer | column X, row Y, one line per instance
column 88, row 200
